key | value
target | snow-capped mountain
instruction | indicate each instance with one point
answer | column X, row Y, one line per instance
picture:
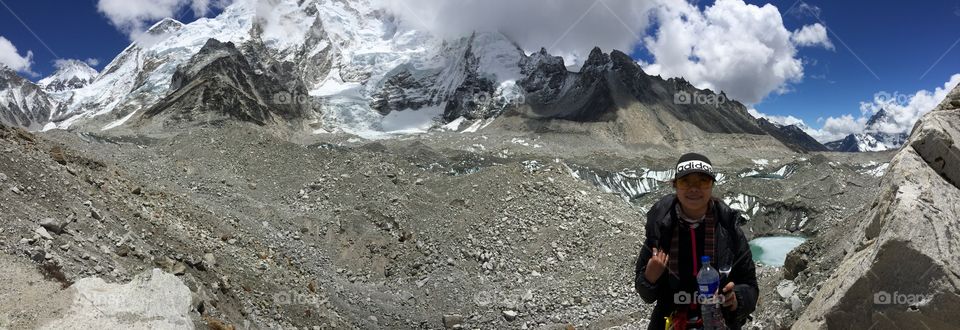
column 23, row 103
column 872, row 139
column 70, row 75
column 352, row 66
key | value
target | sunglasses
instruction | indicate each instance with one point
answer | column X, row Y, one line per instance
column 690, row 181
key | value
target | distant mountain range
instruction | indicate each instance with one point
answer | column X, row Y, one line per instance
column 331, row 66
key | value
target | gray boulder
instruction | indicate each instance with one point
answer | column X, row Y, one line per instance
column 152, row 300
column 901, row 265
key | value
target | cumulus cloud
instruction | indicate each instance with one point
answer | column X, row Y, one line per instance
column 10, row 56
column 905, row 109
column 836, row 128
column 732, row 46
column 92, row 61
column 132, row 17
column 812, row 35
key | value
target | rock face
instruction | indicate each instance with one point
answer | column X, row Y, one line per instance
column 219, row 81
column 23, row 103
column 152, row 300
column 900, row 266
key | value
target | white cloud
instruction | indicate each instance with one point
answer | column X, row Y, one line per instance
column 92, row 61
column 132, row 17
column 10, row 57
column 731, row 46
column 905, row 109
column 837, row 128
column 200, row 7
column 812, row 35
column 803, row 10
column 833, row 128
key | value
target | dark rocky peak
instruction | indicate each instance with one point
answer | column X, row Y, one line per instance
column 214, row 55
column 542, row 61
column 680, row 84
column 623, row 61
column 879, row 117
column 596, row 60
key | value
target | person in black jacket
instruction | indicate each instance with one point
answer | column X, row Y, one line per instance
column 681, row 228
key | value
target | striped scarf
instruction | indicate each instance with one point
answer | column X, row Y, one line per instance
column 708, row 239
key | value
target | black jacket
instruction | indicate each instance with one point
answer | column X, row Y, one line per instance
column 732, row 249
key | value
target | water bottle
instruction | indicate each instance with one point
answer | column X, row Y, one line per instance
column 708, row 280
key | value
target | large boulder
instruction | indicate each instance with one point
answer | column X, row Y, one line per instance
column 152, row 300
column 902, row 264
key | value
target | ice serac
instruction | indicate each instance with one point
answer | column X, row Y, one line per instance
column 23, row 103
column 902, row 266
column 219, row 81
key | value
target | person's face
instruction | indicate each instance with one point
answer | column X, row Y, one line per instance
column 694, row 190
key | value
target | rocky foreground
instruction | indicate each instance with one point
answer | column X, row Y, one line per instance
column 228, row 226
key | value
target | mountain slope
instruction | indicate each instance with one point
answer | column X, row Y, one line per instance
column 219, row 81
column 23, row 103
column 791, row 135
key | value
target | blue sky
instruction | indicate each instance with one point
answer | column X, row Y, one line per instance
column 898, row 41
column 74, row 30
column 889, row 46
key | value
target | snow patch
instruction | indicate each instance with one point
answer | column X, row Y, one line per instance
column 119, row 121
column 454, row 125
column 877, row 171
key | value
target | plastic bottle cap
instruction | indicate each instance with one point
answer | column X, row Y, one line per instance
column 705, row 259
